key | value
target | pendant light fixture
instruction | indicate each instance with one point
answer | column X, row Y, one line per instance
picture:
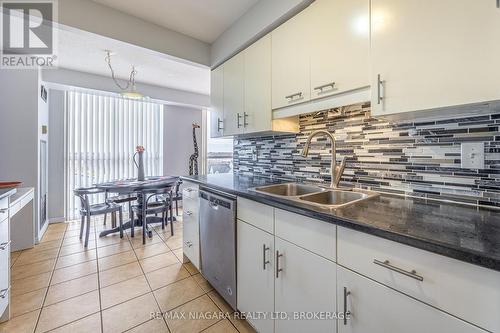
column 129, row 90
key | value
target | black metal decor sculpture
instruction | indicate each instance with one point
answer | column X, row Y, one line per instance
column 193, row 159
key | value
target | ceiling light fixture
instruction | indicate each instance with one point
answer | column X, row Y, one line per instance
column 129, row 90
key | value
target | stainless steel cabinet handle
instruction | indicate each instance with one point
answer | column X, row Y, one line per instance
column 3, row 292
column 331, row 84
column 264, row 261
column 245, row 117
column 188, row 213
column 346, row 312
column 278, row 269
column 292, row 96
column 3, row 246
column 386, row 264
column 380, row 86
column 219, row 122
column 238, row 117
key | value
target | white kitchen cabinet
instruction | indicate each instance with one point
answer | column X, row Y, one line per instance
column 234, row 94
column 456, row 287
column 217, row 102
column 290, row 62
column 255, row 274
column 431, row 54
column 305, row 282
column 257, row 115
column 339, row 46
column 375, row 308
column 4, row 260
column 190, row 218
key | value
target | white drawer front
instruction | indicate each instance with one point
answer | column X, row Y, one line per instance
column 467, row 291
column 314, row 235
column 4, row 231
column 190, row 206
column 256, row 214
column 190, row 191
column 191, row 231
column 4, row 267
column 4, row 209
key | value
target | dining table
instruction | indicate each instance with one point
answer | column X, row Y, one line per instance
column 139, row 188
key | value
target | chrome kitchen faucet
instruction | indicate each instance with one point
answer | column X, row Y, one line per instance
column 336, row 170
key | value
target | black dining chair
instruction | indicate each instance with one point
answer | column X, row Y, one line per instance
column 158, row 201
column 177, row 196
column 88, row 210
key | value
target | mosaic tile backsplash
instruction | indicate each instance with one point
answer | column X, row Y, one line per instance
column 421, row 159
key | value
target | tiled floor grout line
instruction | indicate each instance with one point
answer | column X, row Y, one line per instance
column 48, row 286
column 150, row 288
column 99, row 283
column 164, row 236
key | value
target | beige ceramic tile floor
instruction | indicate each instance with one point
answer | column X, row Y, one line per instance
column 114, row 285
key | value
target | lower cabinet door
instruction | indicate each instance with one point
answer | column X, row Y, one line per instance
column 4, row 266
column 191, row 230
column 375, row 308
column 255, row 275
column 305, row 288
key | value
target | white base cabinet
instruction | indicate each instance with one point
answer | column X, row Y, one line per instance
column 279, row 278
column 255, row 278
column 305, row 286
column 375, row 308
column 295, row 265
column 190, row 218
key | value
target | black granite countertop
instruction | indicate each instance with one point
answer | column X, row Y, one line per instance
column 466, row 233
column 7, row 192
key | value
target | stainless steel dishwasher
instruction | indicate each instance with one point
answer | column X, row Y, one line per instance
column 218, row 242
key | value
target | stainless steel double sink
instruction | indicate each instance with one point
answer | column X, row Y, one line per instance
column 331, row 198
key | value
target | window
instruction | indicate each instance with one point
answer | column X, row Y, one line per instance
column 102, row 132
column 219, row 153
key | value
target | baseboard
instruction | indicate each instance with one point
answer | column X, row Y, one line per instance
column 57, row 220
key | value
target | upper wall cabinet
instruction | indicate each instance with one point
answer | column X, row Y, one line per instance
column 217, row 103
column 431, row 54
column 241, row 95
column 339, row 46
column 322, row 51
column 290, row 61
column 257, row 114
column 234, row 94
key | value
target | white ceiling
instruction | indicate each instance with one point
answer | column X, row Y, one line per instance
column 85, row 52
column 202, row 19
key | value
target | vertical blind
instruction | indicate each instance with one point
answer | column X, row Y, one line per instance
column 102, row 132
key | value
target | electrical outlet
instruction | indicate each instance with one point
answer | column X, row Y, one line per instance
column 473, row 155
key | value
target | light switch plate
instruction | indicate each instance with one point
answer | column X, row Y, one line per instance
column 473, row 155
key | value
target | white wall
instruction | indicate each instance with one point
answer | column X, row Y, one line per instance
column 19, row 128
column 66, row 77
column 255, row 23
column 56, row 156
column 178, row 139
column 93, row 17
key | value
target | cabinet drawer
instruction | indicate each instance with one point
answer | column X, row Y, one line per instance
column 13, row 209
column 190, row 190
column 4, row 209
column 4, row 269
column 467, row 291
column 314, row 235
column 190, row 206
column 4, row 231
column 256, row 214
